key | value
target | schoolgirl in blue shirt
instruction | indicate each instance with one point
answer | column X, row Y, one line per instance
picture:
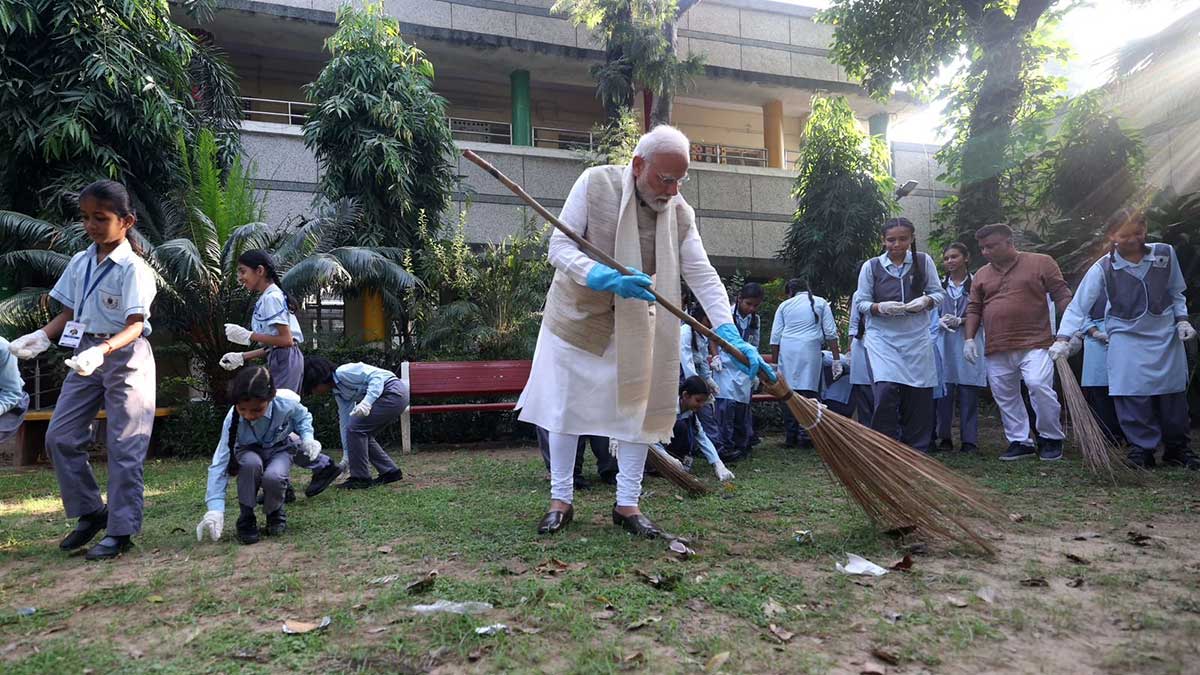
column 13, row 399
column 735, row 387
column 695, row 359
column 837, row 392
column 263, row 429
column 897, row 291
column 803, row 325
column 1094, row 378
column 274, row 325
column 688, row 436
column 1146, row 323
column 368, row 399
column 862, row 384
column 964, row 380
column 106, row 292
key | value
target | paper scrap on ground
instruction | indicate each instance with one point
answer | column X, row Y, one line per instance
column 493, row 629
column 445, row 606
column 859, row 565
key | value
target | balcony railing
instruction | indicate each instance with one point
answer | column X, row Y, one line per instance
column 716, row 153
column 480, row 131
column 563, row 139
column 273, row 110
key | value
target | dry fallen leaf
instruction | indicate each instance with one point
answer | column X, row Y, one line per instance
column 986, row 594
column 642, row 623
column 383, row 581
column 555, row 566
column 384, row 550
column 1084, row 536
column 423, row 584
column 663, row 582
column 957, row 602
column 771, row 608
column 1016, row 517
column 634, row 660
column 154, row 598
column 1075, row 583
column 1078, row 560
column 302, row 627
column 376, row 630
column 885, row 656
column 479, row 652
column 903, row 565
column 681, row 549
column 603, row 615
column 515, row 569
column 1035, row 582
column 714, row 664
column 782, row 633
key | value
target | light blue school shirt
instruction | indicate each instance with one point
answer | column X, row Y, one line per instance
column 12, row 387
column 860, row 372
column 955, row 367
column 355, row 382
column 900, row 347
column 838, row 390
column 1148, row 358
column 121, row 286
column 733, row 383
column 693, row 361
column 285, row 416
column 800, row 337
column 271, row 311
column 1095, row 357
column 702, row 439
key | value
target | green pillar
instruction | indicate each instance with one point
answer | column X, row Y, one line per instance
column 878, row 124
column 522, row 117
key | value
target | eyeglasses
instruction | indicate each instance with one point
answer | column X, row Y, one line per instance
column 671, row 180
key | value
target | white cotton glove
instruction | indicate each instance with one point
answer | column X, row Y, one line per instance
column 892, row 308
column 236, row 334
column 713, row 389
column 1185, row 331
column 29, row 346
column 723, row 474
column 311, row 448
column 715, row 363
column 836, row 369
column 212, row 524
column 949, row 322
column 971, row 351
column 1061, row 349
column 919, row 305
column 1099, row 336
column 87, row 361
column 233, row 360
column 1076, row 345
column 361, row 410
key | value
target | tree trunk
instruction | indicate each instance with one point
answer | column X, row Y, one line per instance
column 990, row 125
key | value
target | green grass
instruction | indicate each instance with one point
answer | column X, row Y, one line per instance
column 174, row 605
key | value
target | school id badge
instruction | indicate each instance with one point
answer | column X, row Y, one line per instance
column 72, row 334
column 1161, row 260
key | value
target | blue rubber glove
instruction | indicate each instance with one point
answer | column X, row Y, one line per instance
column 730, row 334
column 604, row 278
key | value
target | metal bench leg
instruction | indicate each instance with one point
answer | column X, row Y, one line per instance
column 405, row 417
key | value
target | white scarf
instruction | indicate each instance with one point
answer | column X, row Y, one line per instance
column 647, row 337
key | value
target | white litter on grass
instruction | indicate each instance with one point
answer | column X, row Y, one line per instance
column 494, row 629
column 856, row 564
column 448, row 607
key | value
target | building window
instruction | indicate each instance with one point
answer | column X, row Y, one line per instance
column 322, row 318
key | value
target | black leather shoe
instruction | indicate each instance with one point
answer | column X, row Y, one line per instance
column 276, row 523
column 582, row 483
column 609, row 478
column 289, row 495
column 109, row 548
column 247, row 526
column 389, row 477
column 637, row 524
column 85, row 530
column 353, row 483
column 554, row 521
column 322, row 479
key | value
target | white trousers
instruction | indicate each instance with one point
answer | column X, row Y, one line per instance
column 631, row 461
column 1005, row 371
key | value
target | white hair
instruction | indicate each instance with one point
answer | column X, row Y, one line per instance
column 662, row 138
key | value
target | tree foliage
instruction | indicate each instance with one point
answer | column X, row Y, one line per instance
column 102, row 88
column 195, row 260
column 998, row 92
column 843, row 193
column 484, row 305
column 379, row 130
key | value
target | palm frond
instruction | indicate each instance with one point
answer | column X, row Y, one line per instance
column 40, row 261
column 18, row 231
column 374, row 267
column 25, row 310
column 206, row 238
column 182, row 263
column 244, row 238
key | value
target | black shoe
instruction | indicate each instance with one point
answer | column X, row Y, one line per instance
column 389, row 477
column 554, row 521
column 638, row 524
column 109, row 548
column 1181, row 457
column 276, row 523
column 247, row 526
column 322, row 479
column 1051, row 450
column 85, row 530
column 1140, row 458
column 582, row 483
column 609, row 477
column 969, row 448
column 944, row 445
column 1018, row 451
column 289, row 495
column 353, row 483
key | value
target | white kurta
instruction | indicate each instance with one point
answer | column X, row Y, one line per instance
column 572, row 391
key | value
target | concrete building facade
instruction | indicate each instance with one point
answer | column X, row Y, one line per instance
column 516, row 79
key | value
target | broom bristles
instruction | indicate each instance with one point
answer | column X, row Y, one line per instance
column 672, row 470
column 1099, row 452
column 896, row 485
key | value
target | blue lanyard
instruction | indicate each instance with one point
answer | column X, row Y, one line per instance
column 87, row 277
column 270, row 421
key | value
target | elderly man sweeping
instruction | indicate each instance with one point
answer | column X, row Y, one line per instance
column 606, row 363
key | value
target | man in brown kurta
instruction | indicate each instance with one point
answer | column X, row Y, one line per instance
column 1009, row 296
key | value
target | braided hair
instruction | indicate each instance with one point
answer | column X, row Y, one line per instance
column 918, row 268
column 250, row 384
column 792, row 288
column 257, row 257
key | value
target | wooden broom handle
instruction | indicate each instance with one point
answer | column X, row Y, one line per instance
column 603, row 257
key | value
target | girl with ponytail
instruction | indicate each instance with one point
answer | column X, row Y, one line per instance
column 964, row 380
column 803, row 325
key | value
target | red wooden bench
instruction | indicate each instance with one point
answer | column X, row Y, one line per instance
column 447, row 379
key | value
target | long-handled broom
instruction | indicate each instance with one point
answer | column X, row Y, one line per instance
column 1100, row 453
column 897, row 486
